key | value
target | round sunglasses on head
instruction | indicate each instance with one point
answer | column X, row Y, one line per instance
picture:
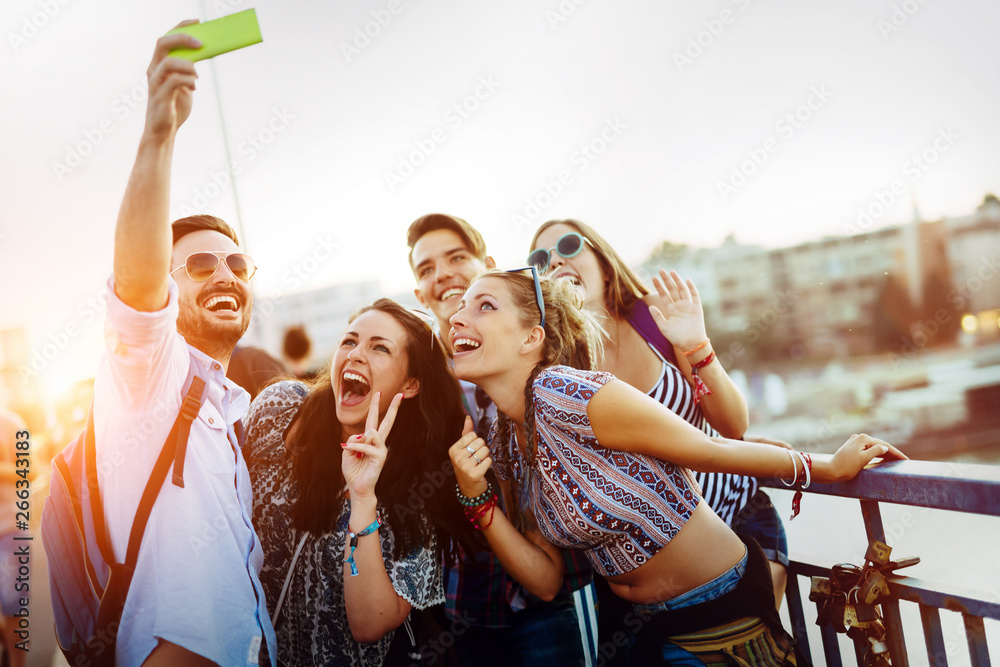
column 568, row 246
column 200, row 266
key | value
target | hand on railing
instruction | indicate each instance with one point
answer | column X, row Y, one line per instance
column 852, row 457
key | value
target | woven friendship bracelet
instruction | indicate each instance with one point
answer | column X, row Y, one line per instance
column 700, row 390
column 473, row 514
column 696, row 348
column 354, row 542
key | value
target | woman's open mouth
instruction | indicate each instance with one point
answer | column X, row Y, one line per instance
column 354, row 387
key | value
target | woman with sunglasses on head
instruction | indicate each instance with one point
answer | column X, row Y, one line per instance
column 657, row 343
column 353, row 532
column 597, row 465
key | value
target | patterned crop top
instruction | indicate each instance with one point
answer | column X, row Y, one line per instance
column 621, row 508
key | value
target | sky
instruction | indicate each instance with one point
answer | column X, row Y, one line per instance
column 772, row 120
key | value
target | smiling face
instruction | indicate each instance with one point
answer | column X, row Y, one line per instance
column 443, row 265
column 213, row 314
column 489, row 332
column 583, row 269
column 371, row 357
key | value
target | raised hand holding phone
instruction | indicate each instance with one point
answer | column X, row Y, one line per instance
column 219, row 36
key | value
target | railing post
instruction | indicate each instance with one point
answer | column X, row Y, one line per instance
column 976, row 634
column 831, row 643
column 937, row 653
column 890, row 608
column 796, row 614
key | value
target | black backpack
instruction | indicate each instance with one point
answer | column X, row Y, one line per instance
column 88, row 587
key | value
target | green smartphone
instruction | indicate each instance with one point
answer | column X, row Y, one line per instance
column 221, row 35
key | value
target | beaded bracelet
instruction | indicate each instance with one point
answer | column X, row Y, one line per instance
column 478, row 500
column 354, row 542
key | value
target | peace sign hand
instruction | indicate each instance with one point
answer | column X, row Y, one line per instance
column 677, row 310
column 364, row 454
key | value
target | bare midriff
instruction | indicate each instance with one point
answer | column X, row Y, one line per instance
column 701, row 551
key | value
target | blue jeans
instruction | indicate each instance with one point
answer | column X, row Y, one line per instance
column 710, row 590
column 724, row 583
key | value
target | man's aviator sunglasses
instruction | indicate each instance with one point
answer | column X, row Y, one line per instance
column 568, row 246
column 200, row 266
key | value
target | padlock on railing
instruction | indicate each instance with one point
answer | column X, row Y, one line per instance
column 873, row 586
column 847, row 600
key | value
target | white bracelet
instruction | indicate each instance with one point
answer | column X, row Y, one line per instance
column 807, row 470
column 795, row 469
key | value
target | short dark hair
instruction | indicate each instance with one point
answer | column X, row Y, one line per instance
column 194, row 223
column 297, row 344
column 434, row 221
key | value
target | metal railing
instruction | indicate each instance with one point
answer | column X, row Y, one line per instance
column 968, row 488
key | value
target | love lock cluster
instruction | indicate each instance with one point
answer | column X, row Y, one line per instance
column 849, row 598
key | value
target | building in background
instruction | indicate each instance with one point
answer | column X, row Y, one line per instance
column 910, row 285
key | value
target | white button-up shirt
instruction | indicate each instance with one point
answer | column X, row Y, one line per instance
column 196, row 581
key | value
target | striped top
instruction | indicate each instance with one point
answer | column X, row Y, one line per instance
column 621, row 508
column 725, row 493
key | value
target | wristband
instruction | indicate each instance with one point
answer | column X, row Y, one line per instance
column 354, row 542
column 688, row 353
column 700, row 389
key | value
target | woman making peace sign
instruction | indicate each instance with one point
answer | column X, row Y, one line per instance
column 349, row 546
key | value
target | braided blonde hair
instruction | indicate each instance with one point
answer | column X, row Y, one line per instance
column 573, row 337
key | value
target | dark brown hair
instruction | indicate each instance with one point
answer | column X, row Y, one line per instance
column 434, row 221
column 417, row 478
column 194, row 223
column 296, row 344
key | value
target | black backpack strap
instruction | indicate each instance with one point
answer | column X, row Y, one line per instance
column 178, row 438
column 189, row 410
column 120, row 574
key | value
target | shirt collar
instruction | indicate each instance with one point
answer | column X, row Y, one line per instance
column 237, row 396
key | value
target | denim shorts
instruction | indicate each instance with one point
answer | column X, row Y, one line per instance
column 710, row 590
column 760, row 521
